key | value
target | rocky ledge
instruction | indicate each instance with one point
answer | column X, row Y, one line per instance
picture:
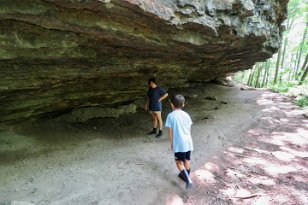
column 58, row 56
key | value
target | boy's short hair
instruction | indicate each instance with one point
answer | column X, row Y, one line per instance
column 152, row 80
column 178, row 101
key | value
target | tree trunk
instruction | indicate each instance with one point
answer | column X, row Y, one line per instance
column 301, row 47
column 277, row 66
column 284, row 52
column 295, row 77
column 251, row 77
column 305, row 68
column 291, row 68
column 243, row 75
column 265, row 75
column 257, row 84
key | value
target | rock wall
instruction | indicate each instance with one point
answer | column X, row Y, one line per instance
column 56, row 56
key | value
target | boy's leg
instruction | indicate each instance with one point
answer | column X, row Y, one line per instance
column 154, row 123
column 183, row 173
column 187, row 161
column 180, row 159
column 179, row 165
column 187, row 165
column 154, row 120
column 160, row 123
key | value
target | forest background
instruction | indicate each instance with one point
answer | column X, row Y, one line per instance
column 286, row 72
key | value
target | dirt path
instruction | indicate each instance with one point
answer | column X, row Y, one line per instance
column 271, row 168
column 250, row 148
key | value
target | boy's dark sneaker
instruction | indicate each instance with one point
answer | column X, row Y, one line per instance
column 181, row 176
column 160, row 133
column 186, row 178
column 153, row 132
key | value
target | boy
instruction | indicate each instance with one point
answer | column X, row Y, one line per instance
column 155, row 95
column 179, row 127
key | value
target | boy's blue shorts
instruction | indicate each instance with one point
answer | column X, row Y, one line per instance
column 182, row 156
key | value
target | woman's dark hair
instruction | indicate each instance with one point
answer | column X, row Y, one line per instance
column 152, row 80
column 178, row 101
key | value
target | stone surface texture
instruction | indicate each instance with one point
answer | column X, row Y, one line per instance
column 56, row 56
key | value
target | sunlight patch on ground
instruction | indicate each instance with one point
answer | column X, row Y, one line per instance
column 281, row 198
column 275, row 170
column 299, row 137
column 236, row 149
column 273, row 108
column 294, row 152
column 241, row 192
column 301, row 196
column 205, row 175
column 305, row 123
column 174, row 200
column 284, row 156
column 263, row 200
column 292, row 192
column 284, row 120
column 212, row 167
column 229, row 154
column 258, row 161
column 255, row 132
column 300, row 179
column 261, row 151
column 234, row 192
column 230, row 192
column 263, row 101
column 270, row 120
column 233, row 174
column 261, row 180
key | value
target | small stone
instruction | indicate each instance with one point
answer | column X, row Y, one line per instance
column 21, row 203
column 209, row 117
column 34, row 191
column 211, row 98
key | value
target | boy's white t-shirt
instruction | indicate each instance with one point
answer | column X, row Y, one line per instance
column 180, row 122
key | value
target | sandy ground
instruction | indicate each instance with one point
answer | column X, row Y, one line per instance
column 251, row 147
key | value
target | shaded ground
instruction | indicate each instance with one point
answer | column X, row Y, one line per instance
column 250, row 148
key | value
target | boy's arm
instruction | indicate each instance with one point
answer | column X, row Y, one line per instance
column 170, row 133
column 146, row 107
column 163, row 97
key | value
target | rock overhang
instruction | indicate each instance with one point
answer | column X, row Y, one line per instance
column 62, row 55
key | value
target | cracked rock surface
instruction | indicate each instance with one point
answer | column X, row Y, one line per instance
column 56, row 56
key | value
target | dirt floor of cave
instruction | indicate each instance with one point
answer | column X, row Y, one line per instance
column 251, row 147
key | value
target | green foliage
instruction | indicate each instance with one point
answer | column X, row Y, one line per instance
column 282, row 88
column 290, row 67
column 295, row 7
column 303, row 102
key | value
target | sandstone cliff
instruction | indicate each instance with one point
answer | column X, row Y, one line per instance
column 56, row 56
